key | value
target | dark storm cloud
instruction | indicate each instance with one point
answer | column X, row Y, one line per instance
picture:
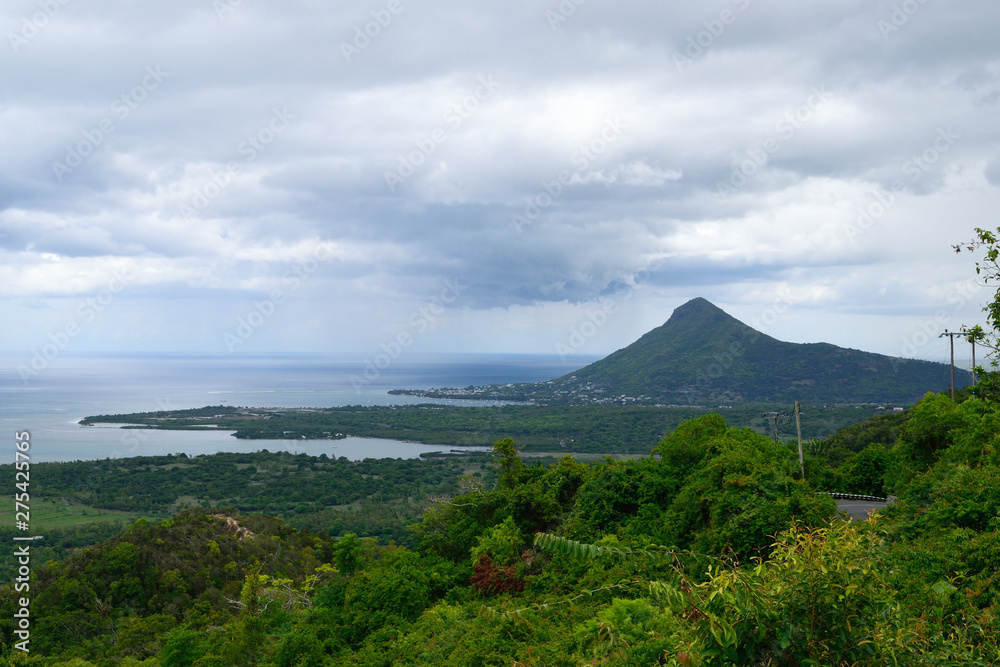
column 545, row 153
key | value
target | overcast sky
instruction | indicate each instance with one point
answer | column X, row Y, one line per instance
column 240, row 176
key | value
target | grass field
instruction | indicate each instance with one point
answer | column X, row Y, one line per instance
column 47, row 513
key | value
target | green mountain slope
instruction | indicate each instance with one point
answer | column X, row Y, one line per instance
column 704, row 355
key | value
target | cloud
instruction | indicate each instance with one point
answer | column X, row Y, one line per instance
column 716, row 150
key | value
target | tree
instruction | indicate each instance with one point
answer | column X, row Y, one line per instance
column 348, row 554
column 497, row 566
column 865, row 472
column 988, row 269
column 182, row 647
column 507, row 462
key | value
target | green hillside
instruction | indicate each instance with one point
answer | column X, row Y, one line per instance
column 712, row 551
column 704, row 356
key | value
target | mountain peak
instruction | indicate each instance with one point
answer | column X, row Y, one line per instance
column 696, row 305
column 702, row 354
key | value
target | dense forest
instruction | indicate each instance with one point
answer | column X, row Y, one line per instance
column 710, row 550
column 713, row 548
column 80, row 503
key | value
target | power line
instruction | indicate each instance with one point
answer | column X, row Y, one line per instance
column 969, row 336
column 951, row 335
column 972, row 339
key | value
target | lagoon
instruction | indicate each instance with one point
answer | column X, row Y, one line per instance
column 75, row 386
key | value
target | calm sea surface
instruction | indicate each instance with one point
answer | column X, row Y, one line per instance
column 72, row 387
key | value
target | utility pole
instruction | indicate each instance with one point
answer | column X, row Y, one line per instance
column 951, row 336
column 973, row 341
column 774, row 416
column 798, row 429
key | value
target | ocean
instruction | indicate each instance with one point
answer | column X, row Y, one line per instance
column 50, row 403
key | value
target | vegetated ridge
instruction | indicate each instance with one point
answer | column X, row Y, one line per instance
column 713, row 550
column 704, row 356
column 580, row 428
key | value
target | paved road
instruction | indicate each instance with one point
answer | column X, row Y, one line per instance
column 859, row 509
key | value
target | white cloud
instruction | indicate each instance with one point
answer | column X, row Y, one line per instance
column 491, row 107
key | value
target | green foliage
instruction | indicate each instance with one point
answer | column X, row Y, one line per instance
column 348, row 553
column 502, row 543
column 685, row 447
column 821, row 475
column 531, row 497
column 929, row 429
column 821, row 598
column 946, row 525
column 507, row 463
column 713, row 489
column 121, row 598
column 878, row 430
column 616, row 629
column 743, row 494
column 182, row 648
column 391, row 591
column 375, row 497
column 58, row 543
column 865, row 473
column 938, row 427
column 757, row 571
column 563, row 481
column 300, row 648
column 989, row 270
column 611, row 495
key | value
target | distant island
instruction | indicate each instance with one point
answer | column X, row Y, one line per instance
column 702, row 356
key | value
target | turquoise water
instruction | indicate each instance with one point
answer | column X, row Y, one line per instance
column 50, row 404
